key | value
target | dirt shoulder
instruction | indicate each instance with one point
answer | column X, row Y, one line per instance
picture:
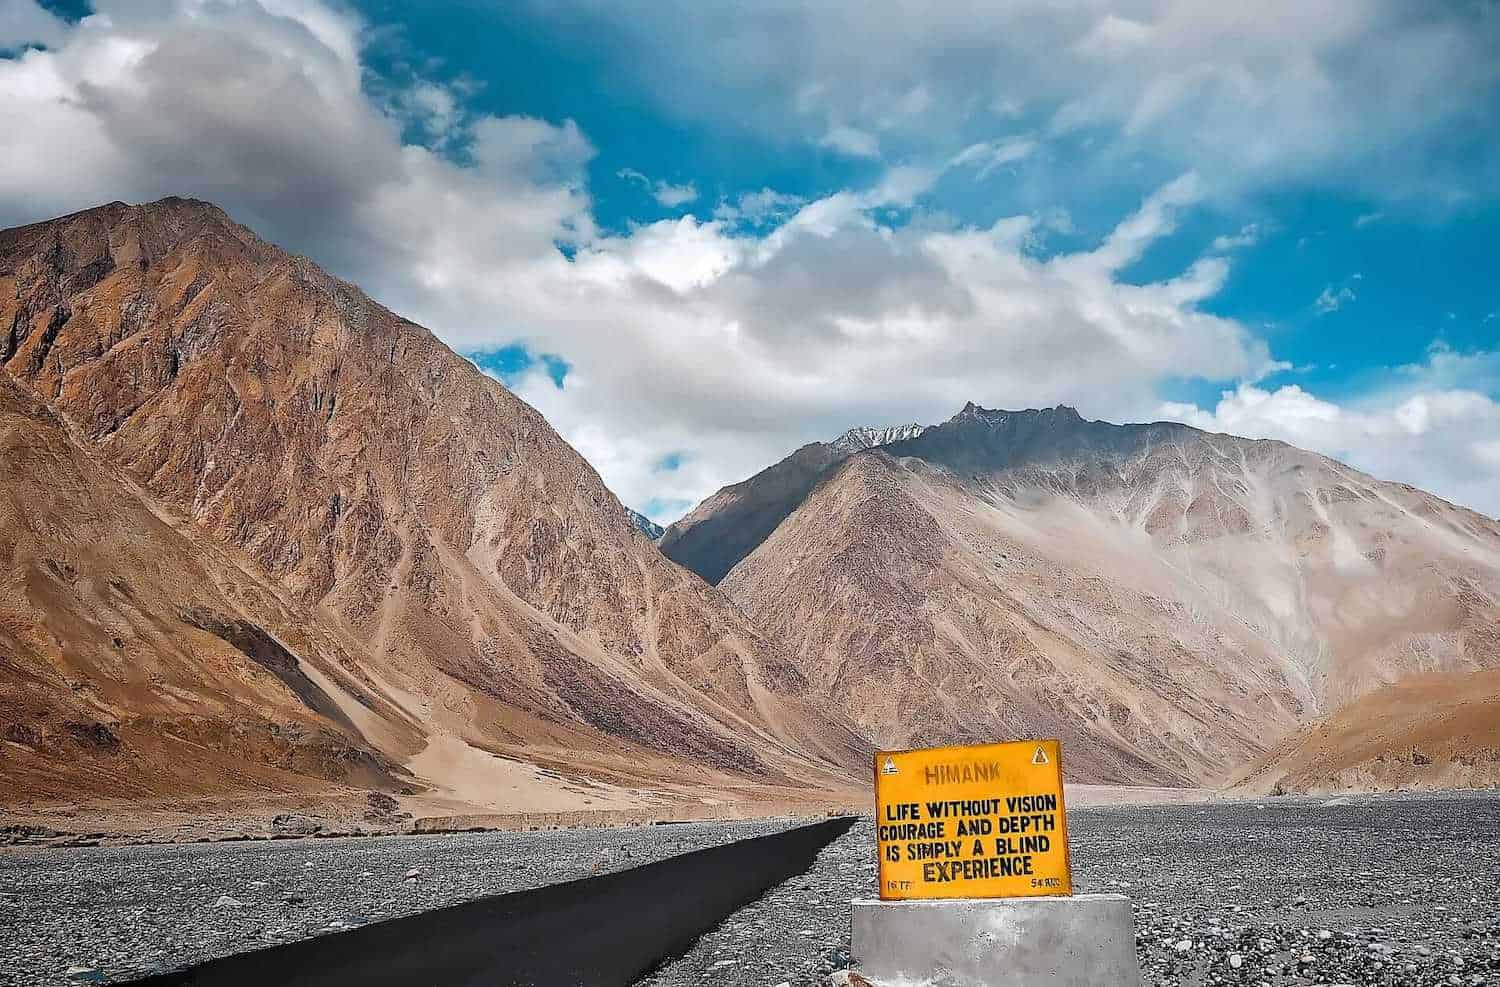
column 353, row 812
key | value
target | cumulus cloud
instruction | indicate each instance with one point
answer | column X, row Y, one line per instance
column 433, row 108
column 741, row 346
column 1156, row 218
column 261, row 108
column 729, row 340
column 734, row 338
column 1435, row 430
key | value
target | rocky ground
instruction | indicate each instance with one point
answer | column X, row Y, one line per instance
column 98, row 914
column 1355, row 890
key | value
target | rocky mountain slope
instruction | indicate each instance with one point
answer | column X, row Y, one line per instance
column 494, row 592
column 1431, row 731
column 726, row 527
column 138, row 658
column 1168, row 601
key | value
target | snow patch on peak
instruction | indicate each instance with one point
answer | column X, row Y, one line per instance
column 865, row 437
column 648, row 527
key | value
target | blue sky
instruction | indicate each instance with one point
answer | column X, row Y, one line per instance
column 698, row 235
column 547, row 65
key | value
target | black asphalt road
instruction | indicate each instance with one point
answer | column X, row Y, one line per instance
column 595, row 932
column 71, row 915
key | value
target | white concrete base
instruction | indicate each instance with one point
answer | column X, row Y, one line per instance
column 1080, row 941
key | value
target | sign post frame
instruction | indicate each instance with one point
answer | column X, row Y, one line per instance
column 975, row 821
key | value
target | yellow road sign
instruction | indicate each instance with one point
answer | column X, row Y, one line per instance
column 985, row 821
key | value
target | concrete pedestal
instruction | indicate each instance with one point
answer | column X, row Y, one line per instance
column 1079, row 941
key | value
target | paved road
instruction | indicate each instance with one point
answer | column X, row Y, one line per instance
column 1387, row 891
column 113, row 913
column 602, row 931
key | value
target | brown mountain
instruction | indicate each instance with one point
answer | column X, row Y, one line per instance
column 495, row 596
column 1168, row 601
column 140, row 659
column 1435, row 730
column 726, row 527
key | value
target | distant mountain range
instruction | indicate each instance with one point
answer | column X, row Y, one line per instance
column 261, row 535
column 1168, row 601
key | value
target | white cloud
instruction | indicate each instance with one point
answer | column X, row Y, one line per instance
column 989, row 155
column 673, row 196
column 663, row 192
column 25, row 22
column 855, row 143
column 758, row 208
column 1374, row 94
column 433, row 108
column 1113, row 37
column 1365, row 219
column 1248, row 236
column 680, row 254
column 734, row 338
column 1156, row 218
column 1332, row 298
column 1487, row 451
column 753, row 344
column 1440, row 438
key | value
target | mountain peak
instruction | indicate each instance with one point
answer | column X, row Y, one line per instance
column 177, row 204
column 972, row 410
column 866, row 437
column 647, row 527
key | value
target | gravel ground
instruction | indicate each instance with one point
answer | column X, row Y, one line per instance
column 95, row 914
column 1355, row 890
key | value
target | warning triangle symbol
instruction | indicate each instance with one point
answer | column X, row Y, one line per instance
column 1040, row 757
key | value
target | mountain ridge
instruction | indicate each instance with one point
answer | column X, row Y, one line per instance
column 1283, row 585
column 500, row 591
column 718, row 533
column 867, row 437
column 1174, row 603
column 647, row 527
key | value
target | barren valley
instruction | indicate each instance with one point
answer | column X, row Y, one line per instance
column 273, row 551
